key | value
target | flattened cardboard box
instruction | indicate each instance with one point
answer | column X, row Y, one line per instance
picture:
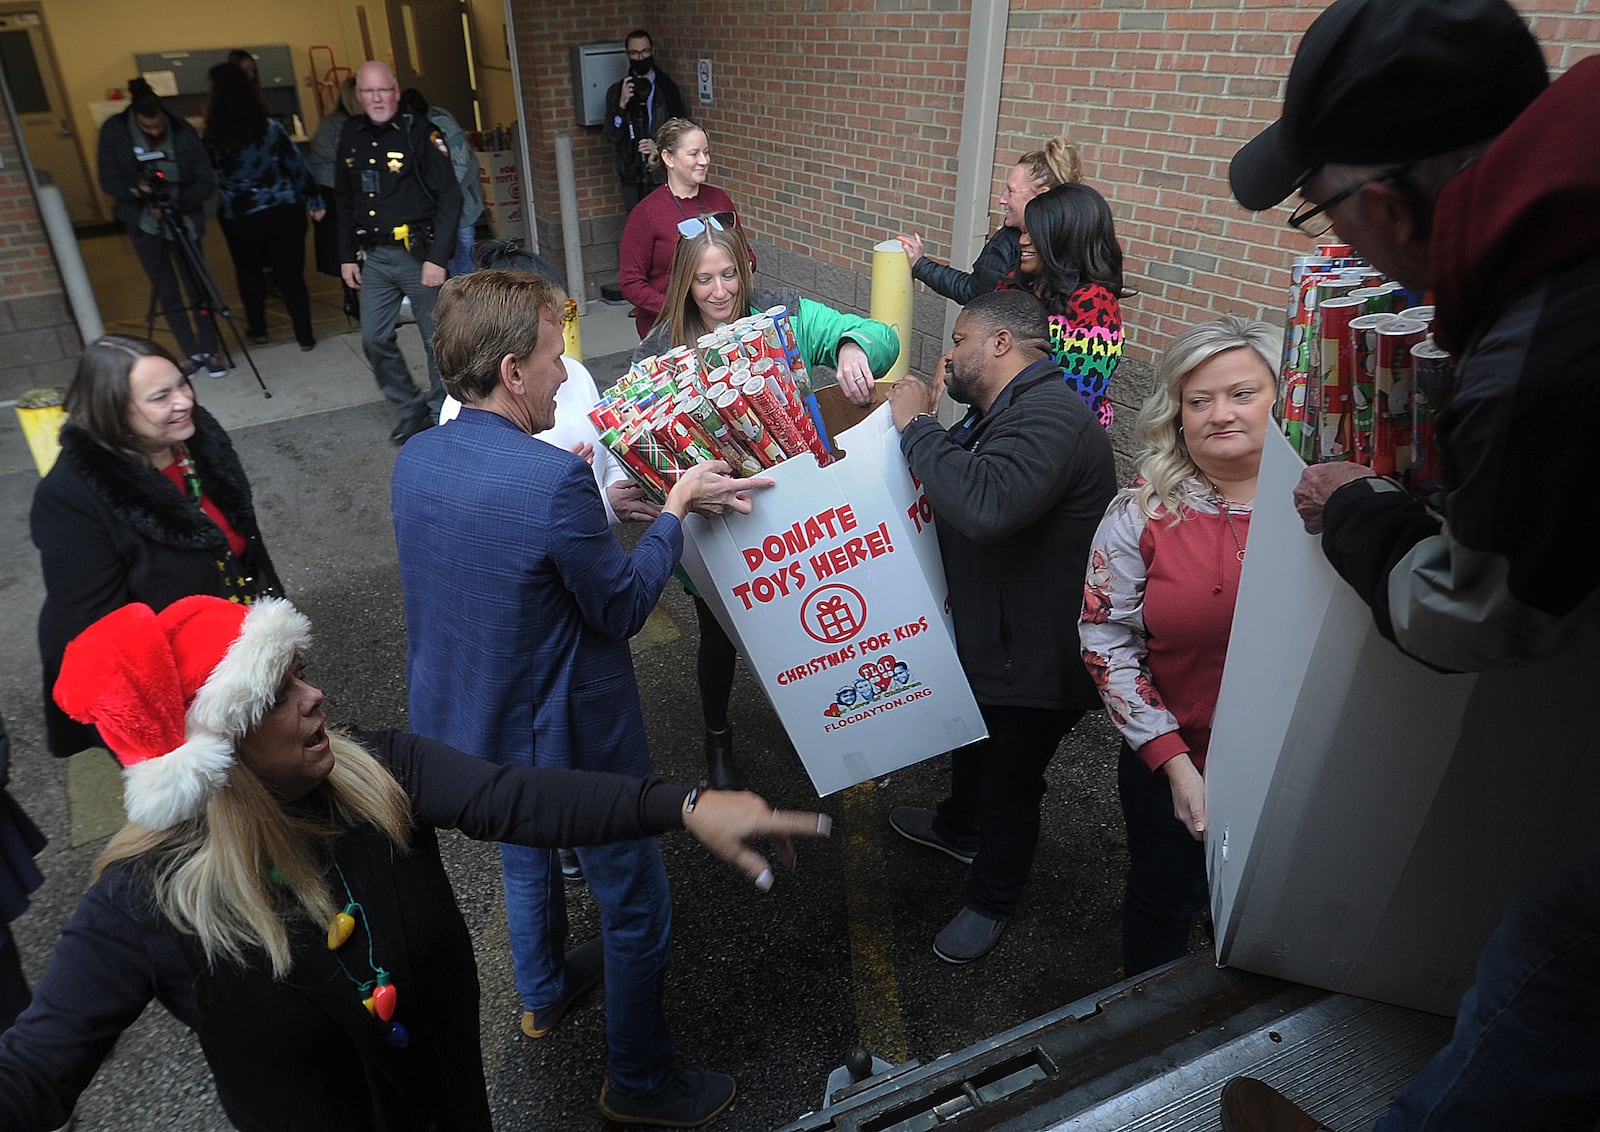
column 1371, row 818
column 834, row 591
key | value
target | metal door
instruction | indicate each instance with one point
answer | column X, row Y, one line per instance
column 41, row 107
column 430, row 53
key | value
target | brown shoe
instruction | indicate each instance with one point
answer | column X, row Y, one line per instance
column 1249, row 1105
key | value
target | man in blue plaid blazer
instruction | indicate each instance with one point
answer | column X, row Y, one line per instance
column 519, row 606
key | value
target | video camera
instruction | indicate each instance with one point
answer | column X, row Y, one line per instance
column 159, row 190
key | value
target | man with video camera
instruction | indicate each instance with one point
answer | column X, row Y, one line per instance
column 154, row 165
column 645, row 98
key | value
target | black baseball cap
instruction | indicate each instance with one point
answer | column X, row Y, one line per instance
column 1379, row 81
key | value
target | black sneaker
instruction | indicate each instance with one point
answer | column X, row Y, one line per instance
column 689, row 1099
column 914, row 823
column 971, row 935
column 408, row 426
column 586, row 966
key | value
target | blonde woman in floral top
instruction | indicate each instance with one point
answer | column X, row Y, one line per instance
column 1162, row 581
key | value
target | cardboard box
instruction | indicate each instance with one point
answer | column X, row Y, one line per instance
column 834, row 591
column 1371, row 818
column 502, row 191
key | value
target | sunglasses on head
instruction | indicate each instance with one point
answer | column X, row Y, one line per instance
column 694, row 225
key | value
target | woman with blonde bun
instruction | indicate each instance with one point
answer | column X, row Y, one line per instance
column 1035, row 172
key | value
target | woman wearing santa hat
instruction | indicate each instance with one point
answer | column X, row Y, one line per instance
column 278, row 886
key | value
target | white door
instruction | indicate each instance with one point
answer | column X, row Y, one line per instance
column 40, row 104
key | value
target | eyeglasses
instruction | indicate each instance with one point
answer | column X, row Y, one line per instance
column 1305, row 219
column 692, row 226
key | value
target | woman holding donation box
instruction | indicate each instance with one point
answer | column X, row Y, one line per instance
column 278, row 886
column 1158, row 602
column 650, row 238
column 709, row 286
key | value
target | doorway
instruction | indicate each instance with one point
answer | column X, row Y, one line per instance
column 40, row 102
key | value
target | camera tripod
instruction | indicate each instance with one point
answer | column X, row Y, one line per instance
column 199, row 285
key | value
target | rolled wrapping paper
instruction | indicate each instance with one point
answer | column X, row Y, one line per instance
column 1433, row 376
column 1374, row 300
column 783, row 322
column 1303, row 393
column 643, row 440
column 638, row 469
column 783, row 325
column 1364, row 353
column 1334, row 249
column 686, row 441
column 761, row 396
column 728, row 445
column 684, row 366
column 604, row 415
column 711, row 347
column 1295, row 324
column 1391, row 409
column 738, row 413
column 1336, row 422
column 752, row 345
column 1422, row 314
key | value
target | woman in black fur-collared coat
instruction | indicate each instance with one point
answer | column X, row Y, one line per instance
column 147, row 502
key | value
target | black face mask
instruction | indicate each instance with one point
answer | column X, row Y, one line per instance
column 642, row 67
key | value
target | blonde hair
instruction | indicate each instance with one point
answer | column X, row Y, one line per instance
column 1057, row 163
column 669, row 136
column 680, row 312
column 1164, row 464
column 236, row 875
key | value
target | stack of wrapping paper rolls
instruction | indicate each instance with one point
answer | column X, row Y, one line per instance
column 1362, row 378
column 740, row 394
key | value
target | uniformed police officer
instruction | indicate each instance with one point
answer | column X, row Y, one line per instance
column 400, row 204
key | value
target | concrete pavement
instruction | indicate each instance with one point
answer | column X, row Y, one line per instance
column 772, row 988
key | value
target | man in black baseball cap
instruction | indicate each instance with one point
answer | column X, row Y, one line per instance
column 1428, row 134
column 1391, row 81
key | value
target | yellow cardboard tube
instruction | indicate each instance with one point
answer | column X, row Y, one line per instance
column 891, row 300
column 40, row 413
column 570, row 334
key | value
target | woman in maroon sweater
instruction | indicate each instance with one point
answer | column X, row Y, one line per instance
column 651, row 237
column 1158, row 606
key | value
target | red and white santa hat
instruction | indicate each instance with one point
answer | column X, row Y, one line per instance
column 172, row 693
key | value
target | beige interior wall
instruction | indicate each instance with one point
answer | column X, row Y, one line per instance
column 496, row 91
column 95, row 40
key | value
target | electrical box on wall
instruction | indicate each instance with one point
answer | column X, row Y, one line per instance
column 595, row 67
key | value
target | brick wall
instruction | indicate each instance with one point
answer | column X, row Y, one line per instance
column 38, row 337
column 836, row 125
column 1160, row 94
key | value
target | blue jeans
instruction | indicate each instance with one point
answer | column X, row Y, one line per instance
column 389, row 275
column 461, row 262
column 629, row 882
column 1526, row 1047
